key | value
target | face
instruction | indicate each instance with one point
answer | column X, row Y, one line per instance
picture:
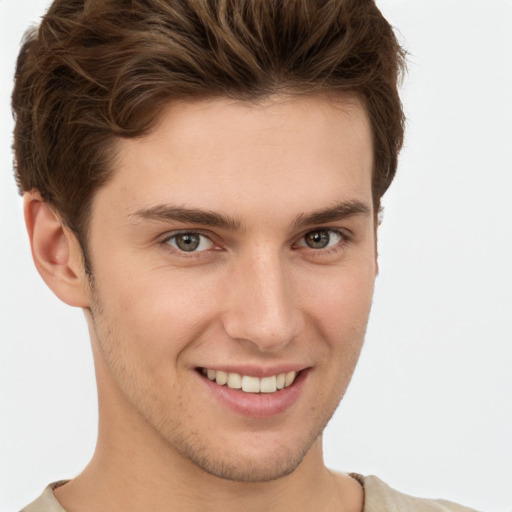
column 234, row 247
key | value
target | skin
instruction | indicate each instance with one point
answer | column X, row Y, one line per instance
column 254, row 294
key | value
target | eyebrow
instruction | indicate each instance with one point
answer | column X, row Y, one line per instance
column 165, row 213
column 337, row 212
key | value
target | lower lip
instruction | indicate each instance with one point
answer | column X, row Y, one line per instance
column 257, row 405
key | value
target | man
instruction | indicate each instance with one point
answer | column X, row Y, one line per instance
column 204, row 180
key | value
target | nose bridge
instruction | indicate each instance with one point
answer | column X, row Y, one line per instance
column 261, row 308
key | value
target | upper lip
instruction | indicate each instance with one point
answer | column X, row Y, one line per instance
column 257, row 370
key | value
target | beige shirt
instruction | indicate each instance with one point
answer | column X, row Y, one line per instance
column 378, row 497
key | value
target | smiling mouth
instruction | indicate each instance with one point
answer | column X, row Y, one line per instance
column 248, row 383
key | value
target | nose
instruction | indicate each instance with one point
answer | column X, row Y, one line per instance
column 262, row 306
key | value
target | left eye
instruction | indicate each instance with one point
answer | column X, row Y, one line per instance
column 190, row 242
column 321, row 239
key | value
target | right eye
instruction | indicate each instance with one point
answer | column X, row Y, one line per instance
column 189, row 241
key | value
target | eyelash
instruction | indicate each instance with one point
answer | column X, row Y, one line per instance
column 345, row 238
column 187, row 254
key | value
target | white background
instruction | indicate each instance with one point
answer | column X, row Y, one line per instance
column 430, row 406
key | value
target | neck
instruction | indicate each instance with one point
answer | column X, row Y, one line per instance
column 130, row 477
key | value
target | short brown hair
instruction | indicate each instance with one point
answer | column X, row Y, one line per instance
column 96, row 70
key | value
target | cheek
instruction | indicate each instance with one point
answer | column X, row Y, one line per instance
column 339, row 305
column 156, row 311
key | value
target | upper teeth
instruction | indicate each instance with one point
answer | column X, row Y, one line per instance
column 251, row 384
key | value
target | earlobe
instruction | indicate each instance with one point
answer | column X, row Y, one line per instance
column 56, row 252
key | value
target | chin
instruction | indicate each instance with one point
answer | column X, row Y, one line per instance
column 252, row 457
column 248, row 469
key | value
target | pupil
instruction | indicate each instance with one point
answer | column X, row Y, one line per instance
column 317, row 239
column 187, row 242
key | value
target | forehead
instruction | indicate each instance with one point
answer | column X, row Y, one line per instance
column 219, row 153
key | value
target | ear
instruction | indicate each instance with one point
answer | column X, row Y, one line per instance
column 378, row 222
column 56, row 252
